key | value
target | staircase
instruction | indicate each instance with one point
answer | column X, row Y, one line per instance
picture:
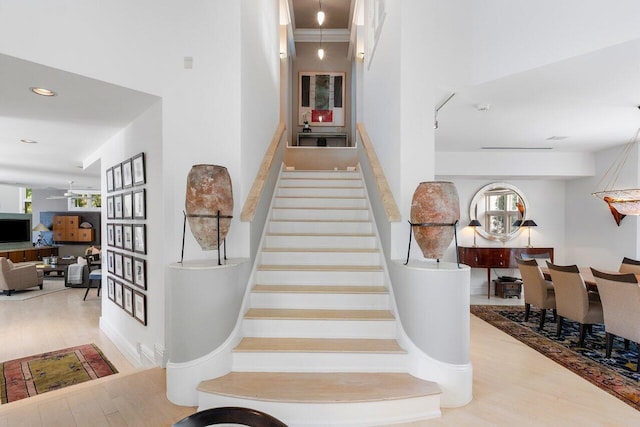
column 319, row 338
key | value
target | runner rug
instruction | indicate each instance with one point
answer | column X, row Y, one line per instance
column 616, row 375
column 21, row 378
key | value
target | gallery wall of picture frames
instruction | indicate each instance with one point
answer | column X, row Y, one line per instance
column 127, row 236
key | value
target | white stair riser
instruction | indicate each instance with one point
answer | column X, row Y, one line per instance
column 320, row 174
column 289, row 277
column 320, row 192
column 317, row 202
column 356, row 227
column 320, row 214
column 337, row 301
column 318, row 362
column 374, row 329
column 321, row 258
column 319, row 182
column 321, row 241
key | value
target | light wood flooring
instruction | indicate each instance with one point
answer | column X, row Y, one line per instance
column 513, row 384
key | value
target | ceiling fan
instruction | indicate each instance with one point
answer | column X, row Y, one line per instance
column 69, row 194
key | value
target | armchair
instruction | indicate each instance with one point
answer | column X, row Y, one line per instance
column 17, row 277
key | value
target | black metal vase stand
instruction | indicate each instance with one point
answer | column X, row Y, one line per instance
column 433, row 224
column 217, row 216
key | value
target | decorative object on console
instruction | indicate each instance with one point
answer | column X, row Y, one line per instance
column 529, row 223
column 474, row 223
column 209, row 193
column 621, row 202
column 435, row 209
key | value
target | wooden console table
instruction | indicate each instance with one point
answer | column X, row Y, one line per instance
column 496, row 258
column 333, row 139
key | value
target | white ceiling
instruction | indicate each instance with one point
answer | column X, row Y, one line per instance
column 68, row 127
column 591, row 99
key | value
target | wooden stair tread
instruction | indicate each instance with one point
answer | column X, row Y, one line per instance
column 319, row 387
column 350, row 250
column 322, row 197
column 323, row 234
column 343, row 268
column 325, row 345
column 310, row 187
column 333, row 289
column 317, row 314
column 321, row 220
column 326, row 208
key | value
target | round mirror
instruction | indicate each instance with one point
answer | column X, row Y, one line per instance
column 500, row 208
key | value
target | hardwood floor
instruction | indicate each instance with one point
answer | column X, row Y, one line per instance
column 513, row 384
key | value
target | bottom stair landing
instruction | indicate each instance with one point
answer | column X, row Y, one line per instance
column 323, row 399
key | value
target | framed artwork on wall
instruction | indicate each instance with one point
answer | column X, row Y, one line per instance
column 127, row 177
column 109, row 180
column 321, row 98
column 111, row 289
column 118, row 261
column 117, row 177
column 138, row 169
column 111, row 240
column 140, row 307
column 118, row 233
column 119, row 290
column 127, row 205
column 375, row 19
column 117, row 206
column 127, row 294
column 140, row 272
column 140, row 238
column 127, row 268
column 140, row 204
column 127, row 236
column 110, row 208
column 111, row 262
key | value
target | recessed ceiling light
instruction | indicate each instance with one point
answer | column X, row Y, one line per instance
column 557, row 138
column 28, row 141
column 42, row 91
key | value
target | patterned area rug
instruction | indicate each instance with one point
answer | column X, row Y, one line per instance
column 21, row 378
column 616, row 375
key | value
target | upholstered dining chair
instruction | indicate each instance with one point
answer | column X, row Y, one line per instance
column 573, row 301
column 230, row 415
column 629, row 265
column 541, row 259
column 620, row 295
column 537, row 290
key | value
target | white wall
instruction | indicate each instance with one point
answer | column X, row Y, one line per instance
column 10, row 199
column 593, row 238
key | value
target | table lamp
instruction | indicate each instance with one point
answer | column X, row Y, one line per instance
column 529, row 223
column 41, row 227
column 474, row 223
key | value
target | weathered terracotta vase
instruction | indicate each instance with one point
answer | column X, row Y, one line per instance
column 434, row 202
column 208, row 191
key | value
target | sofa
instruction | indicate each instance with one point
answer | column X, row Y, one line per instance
column 14, row 277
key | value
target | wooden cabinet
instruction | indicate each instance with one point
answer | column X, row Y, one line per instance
column 29, row 254
column 496, row 258
column 66, row 228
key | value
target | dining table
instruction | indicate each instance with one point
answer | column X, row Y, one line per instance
column 586, row 274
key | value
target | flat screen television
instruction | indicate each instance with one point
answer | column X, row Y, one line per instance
column 15, row 230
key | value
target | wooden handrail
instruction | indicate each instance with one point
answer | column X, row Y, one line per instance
column 249, row 208
column 388, row 201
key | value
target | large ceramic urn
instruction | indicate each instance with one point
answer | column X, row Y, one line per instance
column 208, row 191
column 434, row 202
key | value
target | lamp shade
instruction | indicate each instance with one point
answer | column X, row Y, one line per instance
column 40, row 227
column 474, row 223
column 517, row 223
column 529, row 223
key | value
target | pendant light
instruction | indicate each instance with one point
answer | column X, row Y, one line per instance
column 320, row 14
column 320, row 22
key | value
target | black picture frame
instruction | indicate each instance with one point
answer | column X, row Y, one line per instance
column 109, row 180
column 140, row 238
column 127, row 177
column 118, row 293
column 138, row 166
column 117, row 206
column 118, row 237
column 111, row 289
column 110, row 208
column 117, row 177
column 140, row 204
column 127, row 237
column 111, row 262
column 111, row 237
column 118, row 264
column 140, row 307
column 140, row 273
column 127, row 299
column 127, row 268
column 127, row 205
